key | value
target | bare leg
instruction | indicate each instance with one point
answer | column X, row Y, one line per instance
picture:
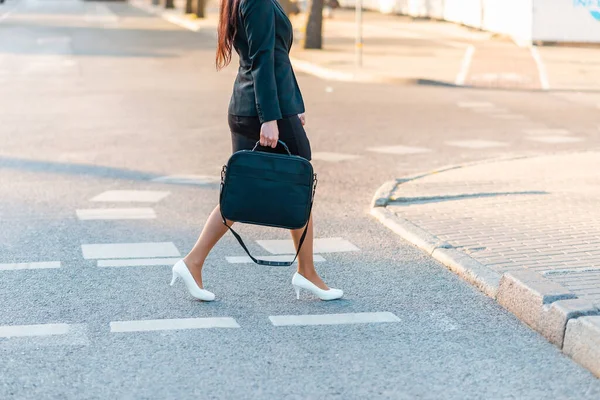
column 306, row 264
column 210, row 235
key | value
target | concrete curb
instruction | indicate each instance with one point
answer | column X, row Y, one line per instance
column 582, row 342
column 570, row 323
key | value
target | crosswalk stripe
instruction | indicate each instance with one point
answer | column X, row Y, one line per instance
column 475, row 104
column 334, row 319
column 138, row 262
column 508, row 116
column 172, row 324
column 133, row 196
column 129, row 250
column 115, row 213
column 248, row 260
column 555, row 139
column 188, row 179
column 546, row 132
column 333, row 157
column 476, row 144
column 322, row 245
column 9, row 331
column 31, row 265
column 400, row 150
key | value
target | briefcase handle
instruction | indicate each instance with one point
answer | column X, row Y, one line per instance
column 278, row 142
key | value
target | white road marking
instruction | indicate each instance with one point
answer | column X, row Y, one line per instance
column 555, row 139
column 31, row 265
column 333, row 157
column 541, row 68
column 8, row 331
column 334, row 319
column 399, row 150
column 137, row 262
column 172, row 324
column 475, row 104
column 476, row 144
column 490, row 110
column 465, row 66
column 115, row 213
column 508, row 116
column 188, row 179
column 129, row 250
column 324, row 245
column 546, row 132
column 132, row 196
column 247, row 260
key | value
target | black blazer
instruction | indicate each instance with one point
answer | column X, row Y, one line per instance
column 265, row 85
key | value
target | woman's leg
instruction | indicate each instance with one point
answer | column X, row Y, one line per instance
column 211, row 233
column 306, row 264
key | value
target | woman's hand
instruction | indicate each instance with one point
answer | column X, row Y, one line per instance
column 269, row 134
column 302, row 118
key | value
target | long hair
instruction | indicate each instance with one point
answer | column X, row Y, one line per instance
column 228, row 21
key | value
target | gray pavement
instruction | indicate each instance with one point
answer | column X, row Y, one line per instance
column 101, row 96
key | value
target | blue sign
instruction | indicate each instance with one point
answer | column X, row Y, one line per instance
column 593, row 7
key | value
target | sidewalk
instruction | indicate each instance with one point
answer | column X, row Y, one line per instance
column 398, row 49
column 525, row 231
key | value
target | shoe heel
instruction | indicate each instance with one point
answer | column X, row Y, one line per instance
column 297, row 289
column 175, row 276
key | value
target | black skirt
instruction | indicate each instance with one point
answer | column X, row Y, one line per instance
column 245, row 132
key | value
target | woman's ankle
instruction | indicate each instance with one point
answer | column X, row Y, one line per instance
column 192, row 263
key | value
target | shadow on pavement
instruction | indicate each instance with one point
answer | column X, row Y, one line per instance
column 439, row 199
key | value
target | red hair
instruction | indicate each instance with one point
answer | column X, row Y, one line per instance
column 226, row 31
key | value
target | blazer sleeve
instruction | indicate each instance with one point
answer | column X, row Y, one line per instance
column 258, row 19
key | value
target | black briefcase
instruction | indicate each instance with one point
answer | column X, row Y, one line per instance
column 267, row 189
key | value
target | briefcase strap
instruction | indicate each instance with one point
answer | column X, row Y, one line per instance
column 241, row 241
column 266, row 262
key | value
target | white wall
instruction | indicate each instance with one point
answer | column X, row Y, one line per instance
column 510, row 17
column 566, row 20
column 524, row 20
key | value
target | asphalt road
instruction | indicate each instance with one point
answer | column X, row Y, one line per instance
column 99, row 97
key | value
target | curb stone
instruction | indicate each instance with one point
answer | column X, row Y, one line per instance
column 528, row 295
column 570, row 323
column 582, row 342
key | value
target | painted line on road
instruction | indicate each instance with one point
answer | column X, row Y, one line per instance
column 30, row 265
column 89, row 214
column 476, row 144
column 323, row 245
column 333, row 157
column 333, row 319
column 508, row 116
column 8, row 331
column 555, row 139
column 137, row 262
column 465, row 66
column 540, row 67
column 129, row 250
column 546, row 132
column 131, row 196
column 475, row 104
column 172, row 324
column 285, row 258
column 399, row 150
column 199, row 180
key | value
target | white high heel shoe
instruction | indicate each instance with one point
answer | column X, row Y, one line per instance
column 300, row 282
column 180, row 270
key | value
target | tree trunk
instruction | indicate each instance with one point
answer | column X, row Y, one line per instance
column 169, row 4
column 200, row 5
column 189, row 6
column 314, row 26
